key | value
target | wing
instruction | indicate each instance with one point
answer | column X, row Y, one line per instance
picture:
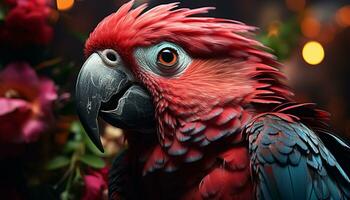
column 289, row 161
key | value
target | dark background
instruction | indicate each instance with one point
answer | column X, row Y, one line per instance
column 282, row 27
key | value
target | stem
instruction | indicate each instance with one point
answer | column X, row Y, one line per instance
column 71, row 170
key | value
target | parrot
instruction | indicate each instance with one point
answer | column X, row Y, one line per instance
column 206, row 112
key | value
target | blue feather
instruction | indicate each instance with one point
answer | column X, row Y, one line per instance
column 292, row 162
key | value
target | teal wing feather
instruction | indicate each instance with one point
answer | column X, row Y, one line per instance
column 289, row 161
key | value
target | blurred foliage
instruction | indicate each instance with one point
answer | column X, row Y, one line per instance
column 281, row 38
column 76, row 156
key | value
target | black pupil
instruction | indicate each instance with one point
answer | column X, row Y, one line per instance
column 167, row 55
column 111, row 56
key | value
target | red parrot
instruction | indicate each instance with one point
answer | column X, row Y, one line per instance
column 205, row 110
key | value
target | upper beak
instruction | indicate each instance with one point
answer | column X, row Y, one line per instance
column 110, row 91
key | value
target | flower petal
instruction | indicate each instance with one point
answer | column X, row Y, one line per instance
column 10, row 105
column 94, row 187
column 20, row 74
column 32, row 130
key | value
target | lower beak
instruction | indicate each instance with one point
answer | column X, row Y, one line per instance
column 108, row 92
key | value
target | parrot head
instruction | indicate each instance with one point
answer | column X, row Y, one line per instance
column 190, row 79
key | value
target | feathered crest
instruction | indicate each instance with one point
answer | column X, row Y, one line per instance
column 200, row 36
column 129, row 28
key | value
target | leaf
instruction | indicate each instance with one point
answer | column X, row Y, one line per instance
column 2, row 14
column 92, row 147
column 78, row 129
column 57, row 162
column 71, row 146
column 93, row 161
column 65, row 195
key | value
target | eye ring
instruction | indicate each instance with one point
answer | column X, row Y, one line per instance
column 150, row 59
column 168, row 57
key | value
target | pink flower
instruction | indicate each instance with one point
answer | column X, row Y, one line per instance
column 96, row 185
column 25, row 104
column 26, row 23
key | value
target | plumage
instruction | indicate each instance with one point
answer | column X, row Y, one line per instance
column 294, row 167
column 226, row 126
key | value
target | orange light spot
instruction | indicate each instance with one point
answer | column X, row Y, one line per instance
column 310, row 27
column 64, row 4
column 295, row 5
column 343, row 16
column 273, row 29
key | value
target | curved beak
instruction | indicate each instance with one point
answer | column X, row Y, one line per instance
column 111, row 93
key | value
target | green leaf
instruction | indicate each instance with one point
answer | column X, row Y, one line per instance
column 57, row 162
column 78, row 129
column 2, row 14
column 71, row 146
column 92, row 147
column 93, row 161
column 65, row 195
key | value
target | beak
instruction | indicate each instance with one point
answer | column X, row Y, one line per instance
column 110, row 92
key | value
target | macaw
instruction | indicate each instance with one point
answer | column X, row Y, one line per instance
column 205, row 110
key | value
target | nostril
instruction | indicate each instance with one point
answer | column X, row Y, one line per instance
column 111, row 56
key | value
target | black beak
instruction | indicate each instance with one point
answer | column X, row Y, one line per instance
column 109, row 91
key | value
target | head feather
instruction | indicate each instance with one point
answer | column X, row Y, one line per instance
column 200, row 36
column 203, row 37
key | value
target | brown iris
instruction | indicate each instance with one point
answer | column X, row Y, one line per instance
column 167, row 57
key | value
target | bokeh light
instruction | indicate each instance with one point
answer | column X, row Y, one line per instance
column 273, row 29
column 343, row 16
column 64, row 4
column 310, row 27
column 313, row 53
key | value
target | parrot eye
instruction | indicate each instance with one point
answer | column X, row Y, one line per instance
column 164, row 59
column 167, row 57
